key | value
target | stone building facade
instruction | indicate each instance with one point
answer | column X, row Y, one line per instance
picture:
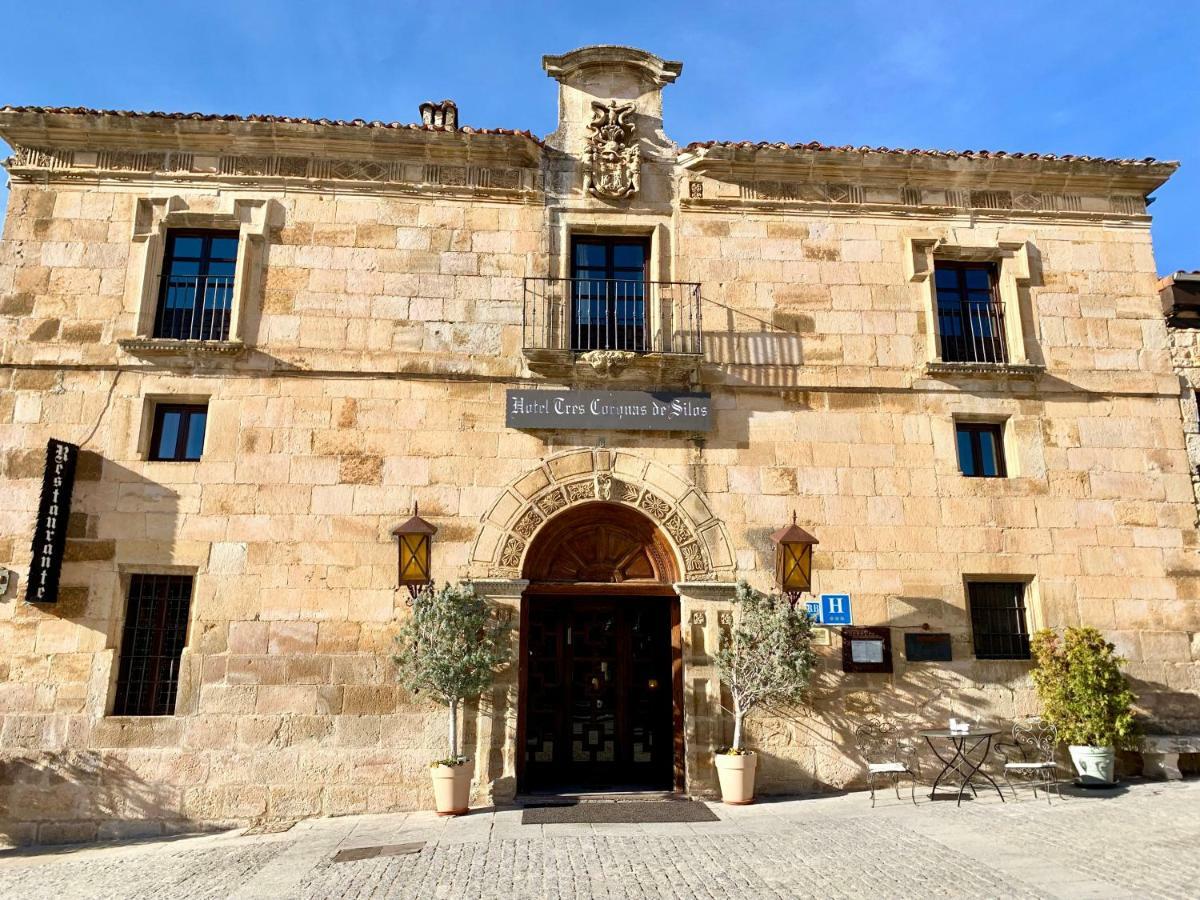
column 382, row 288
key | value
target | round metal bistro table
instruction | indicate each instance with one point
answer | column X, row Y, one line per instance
column 966, row 760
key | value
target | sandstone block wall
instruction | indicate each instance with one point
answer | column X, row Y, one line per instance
column 382, row 334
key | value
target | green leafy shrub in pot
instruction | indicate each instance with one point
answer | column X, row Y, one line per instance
column 1086, row 697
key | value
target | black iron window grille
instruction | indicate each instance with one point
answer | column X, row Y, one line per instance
column 969, row 313
column 178, row 433
column 981, row 449
column 998, row 619
column 195, row 297
column 156, row 621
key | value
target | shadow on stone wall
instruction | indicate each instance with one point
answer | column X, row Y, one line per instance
column 85, row 795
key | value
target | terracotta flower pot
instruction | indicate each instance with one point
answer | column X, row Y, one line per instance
column 736, row 774
column 452, row 788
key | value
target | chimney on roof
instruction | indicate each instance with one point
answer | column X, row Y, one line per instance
column 440, row 115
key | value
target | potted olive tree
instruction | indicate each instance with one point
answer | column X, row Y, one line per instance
column 767, row 658
column 450, row 649
column 1085, row 696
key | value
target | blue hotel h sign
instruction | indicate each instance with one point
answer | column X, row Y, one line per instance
column 831, row 609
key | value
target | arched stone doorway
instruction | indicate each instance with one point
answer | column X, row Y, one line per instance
column 601, row 674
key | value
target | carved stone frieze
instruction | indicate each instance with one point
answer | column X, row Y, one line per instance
column 612, row 158
column 551, row 502
column 581, row 490
column 510, row 556
column 655, row 505
column 528, row 523
column 608, row 362
column 180, row 163
column 604, row 484
column 693, row 559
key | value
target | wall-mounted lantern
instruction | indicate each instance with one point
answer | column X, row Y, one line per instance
column 413, row 541
column 793, row 560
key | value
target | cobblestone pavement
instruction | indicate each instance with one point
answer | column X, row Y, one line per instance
column 1140, row 843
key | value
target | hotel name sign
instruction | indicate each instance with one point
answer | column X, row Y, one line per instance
column 609, row 410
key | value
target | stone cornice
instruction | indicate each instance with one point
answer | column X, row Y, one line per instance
column 654, row 69
column 865, row 167
column 500, row 177
column 160, row 133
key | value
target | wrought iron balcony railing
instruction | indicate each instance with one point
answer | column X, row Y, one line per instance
column 194, row 307
column 583, row 314
column 972, row 332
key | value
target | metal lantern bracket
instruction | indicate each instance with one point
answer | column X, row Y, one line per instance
column 413, row 558
column 793, row 560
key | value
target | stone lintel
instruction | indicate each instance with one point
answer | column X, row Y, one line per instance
column 707, row 591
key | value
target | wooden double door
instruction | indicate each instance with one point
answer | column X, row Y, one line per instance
column 599, row 711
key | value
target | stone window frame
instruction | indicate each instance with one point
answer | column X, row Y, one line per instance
column 1011, row 260
column 153, row 218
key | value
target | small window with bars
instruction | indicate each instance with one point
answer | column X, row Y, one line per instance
column 156, row 621
column 999, row 623
column 980, row 449
column 969, row 313
column 195, row 296
column 178, row 432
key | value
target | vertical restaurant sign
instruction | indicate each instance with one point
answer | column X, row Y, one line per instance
column 50, row 533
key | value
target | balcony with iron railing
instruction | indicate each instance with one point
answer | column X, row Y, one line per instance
column 607, row 326
column 194, row 308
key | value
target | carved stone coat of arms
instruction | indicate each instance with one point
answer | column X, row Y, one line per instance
column 612, row 159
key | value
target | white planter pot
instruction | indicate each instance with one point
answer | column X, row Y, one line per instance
column 736, row 774
column 452, row 788
column 1095, row 765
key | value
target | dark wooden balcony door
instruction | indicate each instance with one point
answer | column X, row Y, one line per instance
column 608, row 293
column 599, row 712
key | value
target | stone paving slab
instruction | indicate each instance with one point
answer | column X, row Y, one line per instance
column 1141, row 842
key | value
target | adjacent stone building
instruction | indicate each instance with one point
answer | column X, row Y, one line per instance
column 607, row 368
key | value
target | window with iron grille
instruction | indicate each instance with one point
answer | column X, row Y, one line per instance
column 998, row 619
column 970, row 315
column 195, row 296
column 156, row 621
column 178, row 433
column 980, row 449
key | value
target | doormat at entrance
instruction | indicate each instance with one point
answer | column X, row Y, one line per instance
column 618, row 812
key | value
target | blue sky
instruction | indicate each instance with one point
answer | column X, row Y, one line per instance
column 1102, row 78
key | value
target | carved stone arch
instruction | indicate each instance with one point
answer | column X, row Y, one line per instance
column 697, row 538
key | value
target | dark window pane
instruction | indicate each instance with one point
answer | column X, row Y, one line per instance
column 966, row 459
column 195, row 437
column 978, row 278
column 629, row 255
column 989, row 453
column 168, row 435
column 224, row 248
column 590, row 254
column 946, row 278
column 187, row 246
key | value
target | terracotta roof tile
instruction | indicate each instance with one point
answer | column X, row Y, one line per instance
column 266, row 119
column 937, row 154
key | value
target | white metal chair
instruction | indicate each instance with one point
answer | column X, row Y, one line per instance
column 1029, row 757
column 887, row 756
